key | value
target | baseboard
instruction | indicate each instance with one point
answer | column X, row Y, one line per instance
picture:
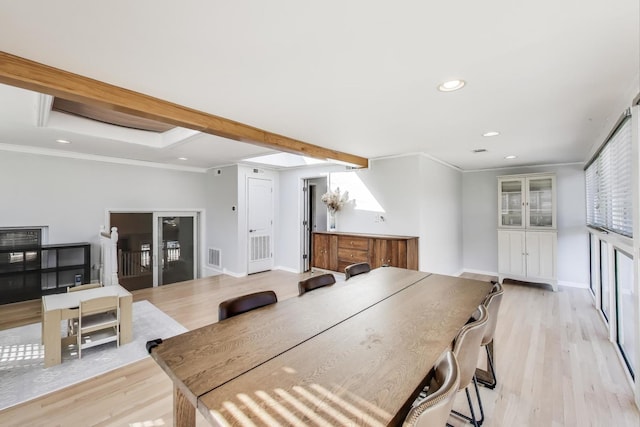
column 290, row 270
column 573, row 284
column 233, row 273
column 208, row 271
column 215, row 272
column 484, row 273
column 459, row 273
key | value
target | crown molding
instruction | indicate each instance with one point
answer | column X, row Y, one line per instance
column 95, row 158
column 420, row 154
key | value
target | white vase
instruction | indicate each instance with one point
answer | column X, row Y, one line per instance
column 332, row 220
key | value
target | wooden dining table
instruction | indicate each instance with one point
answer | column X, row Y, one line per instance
column 355, row 353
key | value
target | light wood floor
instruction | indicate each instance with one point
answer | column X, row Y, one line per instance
column 555, row 364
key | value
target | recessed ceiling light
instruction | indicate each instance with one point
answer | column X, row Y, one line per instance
column 63, row 141
column 451, row 85
column 510, row 157
column 491, row 133
column 182, row 158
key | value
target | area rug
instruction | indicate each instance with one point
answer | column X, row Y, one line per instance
column 24, row 377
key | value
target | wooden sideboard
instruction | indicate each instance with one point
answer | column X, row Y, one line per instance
column 334, row 251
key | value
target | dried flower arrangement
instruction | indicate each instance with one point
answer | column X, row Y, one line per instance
column 334, row 200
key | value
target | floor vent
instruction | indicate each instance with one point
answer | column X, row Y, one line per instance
column 214, row 258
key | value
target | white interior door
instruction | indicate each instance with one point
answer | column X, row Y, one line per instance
column 260, row 224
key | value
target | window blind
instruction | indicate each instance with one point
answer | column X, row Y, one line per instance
column 591, row 178
column 609, row 186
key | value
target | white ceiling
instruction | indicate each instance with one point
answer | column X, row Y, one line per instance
column 359, row 76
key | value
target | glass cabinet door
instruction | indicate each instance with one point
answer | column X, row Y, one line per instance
column 540, row 202
column 511, row 203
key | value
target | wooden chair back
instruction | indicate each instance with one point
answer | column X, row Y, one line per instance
column 355, row 269
column 100, row 317
column 315, row 282
column 83, row 287
column 98, row 305
column 242, row 304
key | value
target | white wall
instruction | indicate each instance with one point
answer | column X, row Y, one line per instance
column 222, row 219
column 71, row 196
column 440, row 218
column 480, row 221
column 416, row 196
column 389, row 187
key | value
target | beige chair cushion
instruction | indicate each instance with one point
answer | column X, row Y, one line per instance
column 434, row 409
column 466, row 345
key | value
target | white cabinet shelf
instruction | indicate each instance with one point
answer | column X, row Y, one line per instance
column 527, row 236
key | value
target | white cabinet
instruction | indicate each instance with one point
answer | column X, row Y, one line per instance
column 527, row 255
column 527, row 236
column 527, row 201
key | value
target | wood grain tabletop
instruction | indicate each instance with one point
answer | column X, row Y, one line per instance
column 365, row 370
column 206, row 358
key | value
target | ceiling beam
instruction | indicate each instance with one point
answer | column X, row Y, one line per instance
column 27, row 74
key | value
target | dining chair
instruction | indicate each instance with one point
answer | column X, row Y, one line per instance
column 315, row 282
column 355, row 269
column 84, row 287
column 492, row 302
column 242, row 304
column 466, row 347
column 73, row 322
column 98, row 322
column 434, row 408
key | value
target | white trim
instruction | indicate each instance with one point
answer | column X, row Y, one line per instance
column 96, row 158
column 208, row 272
column 526, row 166
column 483, row 272
column 623, row 364
column 442, row 162
column 290, row 270
column 233, row 273
column 458, row 273
column 635, row 154
column 459, row 169
column 417, row 153
column 422, row 154
column 574, row 285
column 43, row 104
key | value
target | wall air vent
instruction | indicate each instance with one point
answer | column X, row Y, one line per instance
column 214, row 259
